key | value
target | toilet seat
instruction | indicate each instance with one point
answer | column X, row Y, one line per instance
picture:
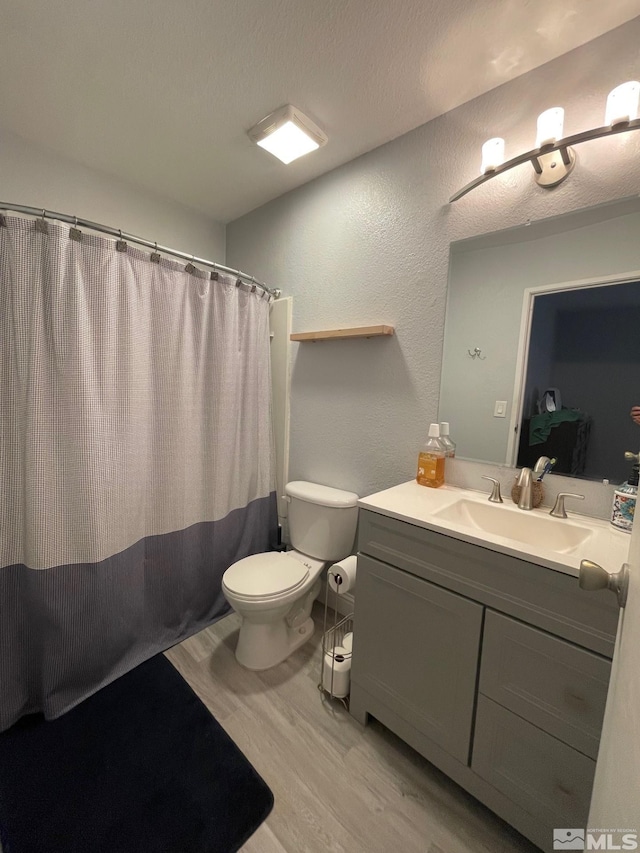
column 265, row 576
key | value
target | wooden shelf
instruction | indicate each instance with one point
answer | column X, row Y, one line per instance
column 341, row 334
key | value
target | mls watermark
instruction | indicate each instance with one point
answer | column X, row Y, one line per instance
column 595, row 839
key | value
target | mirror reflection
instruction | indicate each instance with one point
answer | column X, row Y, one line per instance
column 583, row 355
column 554, row 310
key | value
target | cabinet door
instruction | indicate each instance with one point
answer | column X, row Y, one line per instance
column 416, row 648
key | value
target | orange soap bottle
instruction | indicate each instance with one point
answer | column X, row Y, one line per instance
column 431, row 460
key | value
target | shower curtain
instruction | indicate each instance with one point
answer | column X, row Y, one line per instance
column 136, row 458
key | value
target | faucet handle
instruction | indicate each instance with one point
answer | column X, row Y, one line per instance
column 495, row 497
column 558, row 510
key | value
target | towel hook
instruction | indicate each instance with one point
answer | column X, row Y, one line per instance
column 477, row 353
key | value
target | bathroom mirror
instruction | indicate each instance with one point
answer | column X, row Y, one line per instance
column 572, row 281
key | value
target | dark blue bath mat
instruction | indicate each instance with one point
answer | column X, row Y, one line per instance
column 140, row 767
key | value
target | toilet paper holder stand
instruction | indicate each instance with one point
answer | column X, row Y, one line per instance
column 336, row 658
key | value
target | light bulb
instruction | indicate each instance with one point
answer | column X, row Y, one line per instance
column 622, row 103
column 288, row 143
column 550, row 125
column 492, row 155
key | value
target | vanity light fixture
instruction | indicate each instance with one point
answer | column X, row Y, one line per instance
column 288, row 134
column 553, row 157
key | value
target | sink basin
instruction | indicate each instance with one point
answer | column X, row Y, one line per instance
column 522, row 526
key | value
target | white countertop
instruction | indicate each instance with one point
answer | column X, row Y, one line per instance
column 417, row 504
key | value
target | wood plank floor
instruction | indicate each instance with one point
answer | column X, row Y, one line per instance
column 339, row 787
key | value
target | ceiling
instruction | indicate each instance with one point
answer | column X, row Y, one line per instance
column 161, row 93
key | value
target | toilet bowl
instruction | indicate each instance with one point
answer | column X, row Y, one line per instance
column 274, row 592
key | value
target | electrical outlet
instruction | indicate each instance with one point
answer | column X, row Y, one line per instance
column 500, row 409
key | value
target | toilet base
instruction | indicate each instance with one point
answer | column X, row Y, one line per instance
column 261, row 646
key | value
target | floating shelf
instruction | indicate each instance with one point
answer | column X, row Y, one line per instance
column 336, row 334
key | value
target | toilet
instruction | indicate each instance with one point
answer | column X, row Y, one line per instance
column 274, row 592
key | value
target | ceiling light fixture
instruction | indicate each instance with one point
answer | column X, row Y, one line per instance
column 288, row 134
column 553, row 157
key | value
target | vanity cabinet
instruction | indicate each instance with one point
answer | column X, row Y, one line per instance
column 493, row 668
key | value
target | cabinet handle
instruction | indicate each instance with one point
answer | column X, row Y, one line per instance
column 575, row 696
column 592, row 577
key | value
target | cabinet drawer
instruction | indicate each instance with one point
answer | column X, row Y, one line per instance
column 534, row 770
column 559, row 687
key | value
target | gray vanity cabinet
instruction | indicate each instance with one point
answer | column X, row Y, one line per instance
column 493, row 668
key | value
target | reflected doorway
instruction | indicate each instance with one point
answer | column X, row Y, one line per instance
column 582, row 378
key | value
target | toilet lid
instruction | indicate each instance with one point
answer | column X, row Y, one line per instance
column 265, row 575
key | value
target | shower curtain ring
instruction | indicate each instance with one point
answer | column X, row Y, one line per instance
column 74, row 232
column 41, row 224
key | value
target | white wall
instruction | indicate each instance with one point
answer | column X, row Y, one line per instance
column 369, row 243
column 40, row 178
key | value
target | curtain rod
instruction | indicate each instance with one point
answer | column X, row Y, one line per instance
column 121, row 235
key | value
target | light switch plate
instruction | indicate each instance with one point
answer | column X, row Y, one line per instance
column 500, row 409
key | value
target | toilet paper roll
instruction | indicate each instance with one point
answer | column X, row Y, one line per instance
column 336, row 672
column 342, row 575
column 347, row 641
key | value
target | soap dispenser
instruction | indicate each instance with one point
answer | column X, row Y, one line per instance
column 624, row 497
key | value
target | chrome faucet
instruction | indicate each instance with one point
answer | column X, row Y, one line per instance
column 525, row 484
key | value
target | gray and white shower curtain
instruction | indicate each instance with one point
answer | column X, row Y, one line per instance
column 136, row 457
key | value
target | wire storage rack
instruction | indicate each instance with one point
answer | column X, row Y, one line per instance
column 337, row 639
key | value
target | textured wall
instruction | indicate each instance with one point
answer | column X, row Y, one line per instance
column 369, row 243
column 37, row 177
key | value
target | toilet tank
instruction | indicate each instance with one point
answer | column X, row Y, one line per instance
column 322, row 520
